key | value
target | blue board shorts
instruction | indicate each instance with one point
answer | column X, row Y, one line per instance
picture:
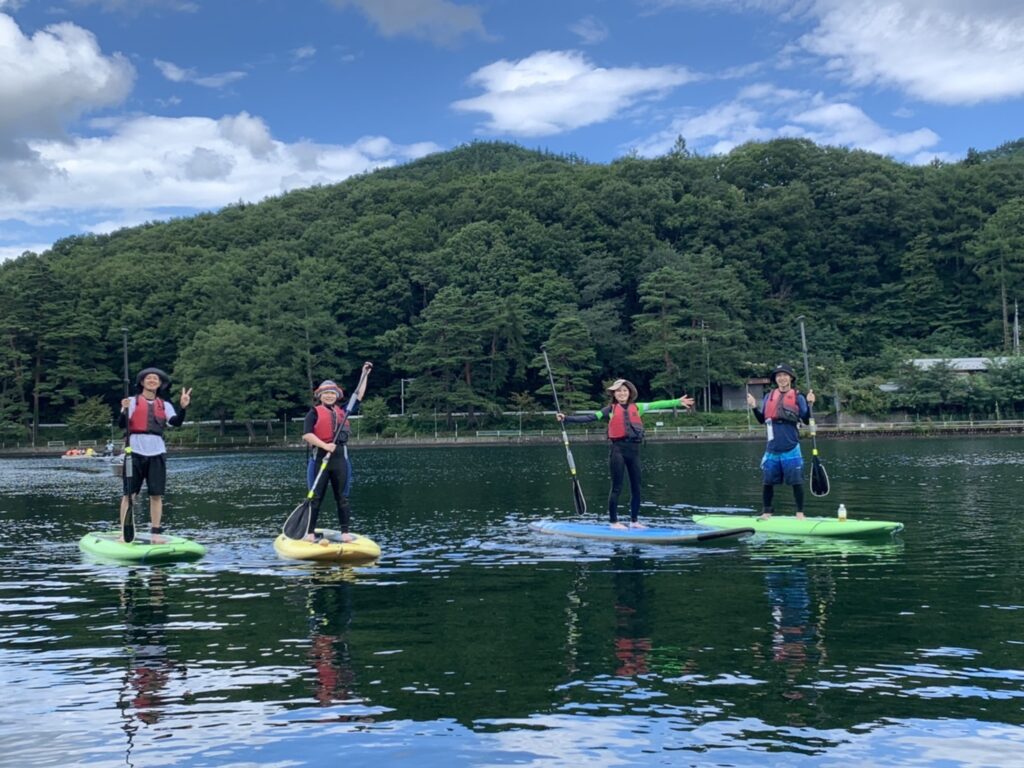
column 785, row 467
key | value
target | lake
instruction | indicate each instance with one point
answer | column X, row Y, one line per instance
column 475, row 642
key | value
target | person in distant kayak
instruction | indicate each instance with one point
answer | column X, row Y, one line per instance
column 145, row 417
column 321, row 430
column 782, row 409
column 625, row 433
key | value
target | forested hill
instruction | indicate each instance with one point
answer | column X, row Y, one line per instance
column 455, row 269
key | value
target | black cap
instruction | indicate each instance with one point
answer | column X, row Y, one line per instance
column 165, row 380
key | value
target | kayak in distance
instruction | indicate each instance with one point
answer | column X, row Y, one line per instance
column 331, row 549
column 169, row 549
column 693, row 534
column 830, row 527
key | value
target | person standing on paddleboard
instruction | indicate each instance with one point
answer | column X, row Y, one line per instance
column 781, row 411
column 146, row 416
column 326, row 428
column 625, row 433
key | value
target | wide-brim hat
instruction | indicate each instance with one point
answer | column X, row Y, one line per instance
column 327, row 386
column 623, row 383
column 165, row 380
column 782, row 368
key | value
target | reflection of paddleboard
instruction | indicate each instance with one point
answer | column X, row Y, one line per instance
column 106, row 544
column 689, row 535
column 335, row 550
column 808, row 526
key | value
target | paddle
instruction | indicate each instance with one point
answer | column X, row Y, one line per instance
column 819, row 477
column 296, row 525
column 128, row 519
column 577, row 491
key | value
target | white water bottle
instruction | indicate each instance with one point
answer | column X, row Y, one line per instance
column 842, row 513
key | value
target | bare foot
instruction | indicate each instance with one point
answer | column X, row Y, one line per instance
column 347, row 537
column 799, row 515
column 637, row 524
column 619, row 526
column 765, row 516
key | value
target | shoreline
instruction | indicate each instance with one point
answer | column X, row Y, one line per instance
column 500, row 438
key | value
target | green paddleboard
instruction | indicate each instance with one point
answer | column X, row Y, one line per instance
column 809, row 526
column 105, row 545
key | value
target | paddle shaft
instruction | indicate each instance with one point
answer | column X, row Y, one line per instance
column 578, row 498
column 554, row 392
column 128, row 522
column 807, row 376
column 819, row 477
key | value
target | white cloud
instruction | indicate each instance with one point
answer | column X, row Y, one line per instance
column 8, row 252
column 590, row 30
column 173, row 72
column 943, row 51
column 439, row 21
column 848, row 126
column 137, row 6
column 940, row 51
column 556, row 91
column 177, row 74
column 192, row 162
column 53, row 77
column 762, row 111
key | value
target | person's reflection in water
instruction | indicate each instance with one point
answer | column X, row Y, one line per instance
column 632, row 632
column 142, row 697
column 331, row 613
column 798, row 620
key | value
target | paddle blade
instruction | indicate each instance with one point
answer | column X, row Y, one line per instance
column 128, row 523
column 577, row 498
column 819, row 478
column 297, row 524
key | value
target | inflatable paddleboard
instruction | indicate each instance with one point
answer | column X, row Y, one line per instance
column 106, row 545
column 603, row 531
column 332, row 549
column 808, row 526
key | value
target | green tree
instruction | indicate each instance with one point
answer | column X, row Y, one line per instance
column 374, row 413
column 573, row 363
column 234, row 374
column 91, row 418
column 998, row 256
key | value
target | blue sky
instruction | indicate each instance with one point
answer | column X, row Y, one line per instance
column 118, row 112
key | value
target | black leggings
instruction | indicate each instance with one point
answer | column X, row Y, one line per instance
column 624, row 456
column 336, row 475
column 768, row 493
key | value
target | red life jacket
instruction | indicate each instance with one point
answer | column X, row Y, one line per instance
column 327, row 423
column 782, row 406
column 148, row 418
column 625, row 423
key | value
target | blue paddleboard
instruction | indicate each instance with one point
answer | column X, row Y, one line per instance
column 690, row 534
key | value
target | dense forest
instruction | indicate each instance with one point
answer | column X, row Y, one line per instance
column 682, row 272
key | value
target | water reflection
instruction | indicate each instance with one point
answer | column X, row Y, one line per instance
column 632, row 633
column 330, row 618
column 142, row 696
column 475, row 642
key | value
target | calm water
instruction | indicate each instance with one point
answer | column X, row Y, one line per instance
column 474, row 642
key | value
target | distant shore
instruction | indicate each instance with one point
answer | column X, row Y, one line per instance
column 485, row 438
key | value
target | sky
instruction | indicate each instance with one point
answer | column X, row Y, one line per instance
column 114, row 113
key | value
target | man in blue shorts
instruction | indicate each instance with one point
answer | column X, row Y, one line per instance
column 781, row 411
